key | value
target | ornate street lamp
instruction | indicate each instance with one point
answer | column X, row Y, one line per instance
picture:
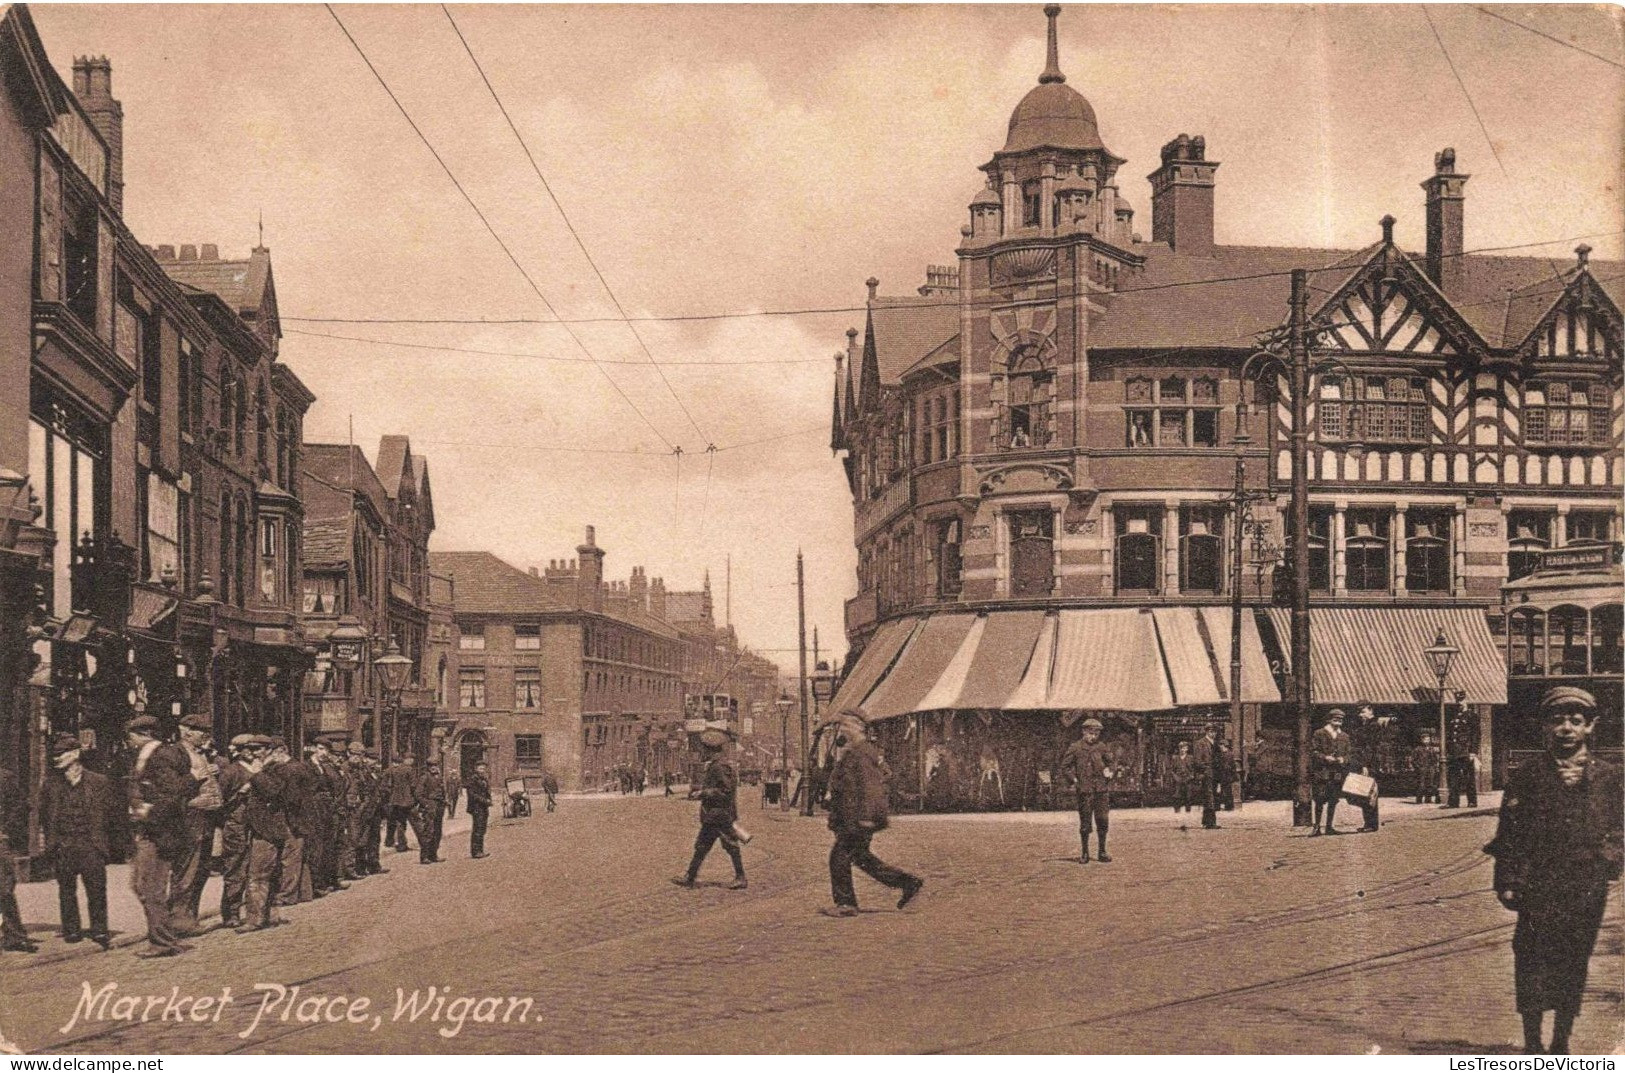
column 392, row 668
column 1440, row 653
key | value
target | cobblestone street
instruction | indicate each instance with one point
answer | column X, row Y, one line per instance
column 1251, row 938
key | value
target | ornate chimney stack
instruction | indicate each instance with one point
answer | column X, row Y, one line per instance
column 93, row 85
column 1446, row 205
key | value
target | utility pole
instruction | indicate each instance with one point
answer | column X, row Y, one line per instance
column 1241, row 440
column 801, row 682
column 815, row 670
column 1302, row 695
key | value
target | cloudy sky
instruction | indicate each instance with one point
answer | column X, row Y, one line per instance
column 735, row 159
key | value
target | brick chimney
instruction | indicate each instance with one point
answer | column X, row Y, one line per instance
column 638, row 590
column 1446, row 201
column 1182, row 197
column 590, row 579
column 93, row 85
column 657, row 598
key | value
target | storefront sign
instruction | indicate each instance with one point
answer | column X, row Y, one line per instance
column 1595, row 557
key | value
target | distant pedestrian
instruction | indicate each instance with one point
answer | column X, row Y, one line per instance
column 76, row 811
column 1204, row 757
column 550, row 787
column 428, row 815
column 1225, row 777
column 1425, row 762
column 666, row 778
column 859, row 808
column 401, row 783
column 1558, row 846
column 160, row 786
column 719, row 809
column 1462, row 759
column 479, row 808
column 1329, row 763
column 643, row 780
column 1181, row 771
column 1088, row 766
column 454, row 786
column 13, row 809
column 269, row 834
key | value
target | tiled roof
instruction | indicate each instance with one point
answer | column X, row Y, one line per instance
column 326, row 540
column 338, row 464
column 487, row 585
column 392, row 456
column 685, row 606
column 240, row 284
column 907, row 329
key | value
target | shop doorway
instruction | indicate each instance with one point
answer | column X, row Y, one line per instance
column 471, row 751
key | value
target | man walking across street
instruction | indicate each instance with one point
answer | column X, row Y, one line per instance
column 479, row 809
column 550, row 787
column 76, row 811
column 1088, row 765
column 859, row 807
column 161, row 784
column 719, row 808
column 1204, row 766
column 1558, row 846
column 428, row 814
column 1425, row 762
column 1329, row 752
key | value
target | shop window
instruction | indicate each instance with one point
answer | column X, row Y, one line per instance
column 471, row 639
column 948, row 560
column 1367, row 551
column 323, row 595
column 471, row 687
column 527, row 750
column 1139, row 549
column 1320, row 549
column 1526, row 643
column 527, row 638
column 1427, row 550
column 66, row 469
column 1589, row 527
column 1032, row 553
column 1201, row 549
column 1567, row 640
column 527, row 688
column 1529, row 533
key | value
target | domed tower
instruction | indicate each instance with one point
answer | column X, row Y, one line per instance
column 1047, row 232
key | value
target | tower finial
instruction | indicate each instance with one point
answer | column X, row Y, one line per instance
column 1052, row 69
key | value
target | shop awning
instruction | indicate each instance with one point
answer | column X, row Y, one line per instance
column 927, row 655
column 873, row 663
column 1033, row 689
column 1257, row 678
column 1108, row 658
column 1376, row 654
column 1005, row 651
column 1193, row 671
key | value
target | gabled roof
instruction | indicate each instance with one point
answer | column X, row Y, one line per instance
column 344, row 467
column 392, row 463
column 327, row 541
column 899, row 333
column 1527, row 307
column 685, row 607
column 25, row 69
column 420, row 480
column 486, row 585
column 246, row 286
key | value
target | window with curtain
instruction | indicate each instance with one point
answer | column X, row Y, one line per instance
column 471, row 687
column 527, row 688
column 1427, row 550
column 1367, row 551
column 322, row 595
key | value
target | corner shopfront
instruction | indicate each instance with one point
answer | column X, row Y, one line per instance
column 974, row 711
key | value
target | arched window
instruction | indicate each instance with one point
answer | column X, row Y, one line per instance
column 1139, row 549
column 1569, row 641
column 262, row 431
column 1526, row 643
column 1029, row 392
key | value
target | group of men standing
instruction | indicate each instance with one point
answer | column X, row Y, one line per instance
column 291, row 828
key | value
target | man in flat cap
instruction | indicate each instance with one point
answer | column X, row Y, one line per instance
column 161, row 784
column 1425, row 762
column 189, row 872
column 1204, row 769
column 859, row 808
column 479, row 808
column 717, row 793
column 429, row 814
column 401, row 780
column 1087, row 765
column 1329, row 753
column 270, row 838
column 1559, row 844
column 76, row 812
column 235, row 840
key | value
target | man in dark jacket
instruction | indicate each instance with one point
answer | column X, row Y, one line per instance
column 1559, row 844
column 1461, row 760
column 295, row 805
column 1365, row 744
column 1425, row 762
column 161, row 784
column 189, row 873
column 13, row 809
column 234, row 836
column 478, row 808
column 428, row 814
column 719, row 808
column 1329, row 752
column 1088, row 765
column 1181, row 771
column 400, row 783
column 1204, row 758
column 265, row 817
column 859, row 807
column 76, row 811
column 550, row 787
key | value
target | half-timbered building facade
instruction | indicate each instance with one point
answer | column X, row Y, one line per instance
column 1042, row 447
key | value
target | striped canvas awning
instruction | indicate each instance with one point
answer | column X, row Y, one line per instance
column 1376, row 654
column 873, row 663
column 930, row 649
column 1108, row 659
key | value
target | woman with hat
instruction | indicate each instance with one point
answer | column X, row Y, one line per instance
column 76, row 811
column 719, row 808
column 1559, row 843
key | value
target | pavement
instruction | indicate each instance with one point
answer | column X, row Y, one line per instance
column 1251, row 939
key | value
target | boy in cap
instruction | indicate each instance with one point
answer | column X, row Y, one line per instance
column 717, row 793
column 1088, row 765
column 1425, row 762
column 76, row 811
column 1329, row 753
column 1559, row 844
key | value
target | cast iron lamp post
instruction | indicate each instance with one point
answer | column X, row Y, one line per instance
column 1440, row 653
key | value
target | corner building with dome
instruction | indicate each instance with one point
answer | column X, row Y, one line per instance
column 1041, row 443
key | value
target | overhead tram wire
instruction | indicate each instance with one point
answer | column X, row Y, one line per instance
column 547, row 186
column 1553, row 39
column 487, row 223
column 832, row 310
column 702, row 363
